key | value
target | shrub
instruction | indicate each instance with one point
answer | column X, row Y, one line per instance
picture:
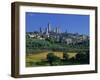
column 65, row 56
column 82, row 57
column 52, row 59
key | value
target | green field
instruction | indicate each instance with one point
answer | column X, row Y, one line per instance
column 38, row 57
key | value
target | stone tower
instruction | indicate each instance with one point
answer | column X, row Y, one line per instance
column 49, row 27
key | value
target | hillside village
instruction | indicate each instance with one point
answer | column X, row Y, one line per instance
column 57, row 35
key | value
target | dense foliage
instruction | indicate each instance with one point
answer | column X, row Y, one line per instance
column 34, row 46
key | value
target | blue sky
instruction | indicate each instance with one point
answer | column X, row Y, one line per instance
column 70, row 22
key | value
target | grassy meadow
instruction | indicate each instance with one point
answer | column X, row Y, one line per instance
column 42, row 56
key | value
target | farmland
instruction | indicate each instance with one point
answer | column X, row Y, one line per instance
column 40, row 59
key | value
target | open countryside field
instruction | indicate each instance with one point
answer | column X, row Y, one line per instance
column 43, row 56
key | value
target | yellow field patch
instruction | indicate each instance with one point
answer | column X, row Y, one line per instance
column 43, row 55
column 71, row 55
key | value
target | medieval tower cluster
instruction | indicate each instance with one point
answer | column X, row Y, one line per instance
column 49, row 29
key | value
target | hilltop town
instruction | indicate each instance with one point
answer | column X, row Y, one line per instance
column 57, row 36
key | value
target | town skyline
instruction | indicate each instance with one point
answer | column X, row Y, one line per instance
column 34, row 22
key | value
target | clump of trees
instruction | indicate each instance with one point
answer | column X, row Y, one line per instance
column 80, row 58
column 65, row 56
column 52, row 59
column 83, row 57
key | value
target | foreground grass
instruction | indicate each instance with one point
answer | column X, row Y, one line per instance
column 31, row 59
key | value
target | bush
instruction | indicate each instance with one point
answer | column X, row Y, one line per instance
column 65, row 56
column 82, row 57
column 52, row 59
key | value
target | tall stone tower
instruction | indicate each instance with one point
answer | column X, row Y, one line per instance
column 57, row 30
column 41, row 30
column 49, row 27
column 46, row 31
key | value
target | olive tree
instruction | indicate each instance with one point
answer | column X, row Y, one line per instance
column 52, row 58
column 65, row 56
